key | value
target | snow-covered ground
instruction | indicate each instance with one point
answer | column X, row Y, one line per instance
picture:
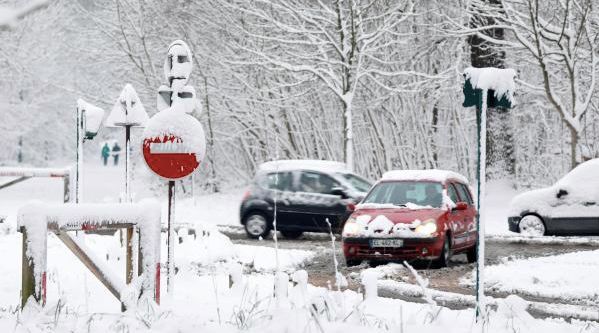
column 566, row 277
column 204, row 300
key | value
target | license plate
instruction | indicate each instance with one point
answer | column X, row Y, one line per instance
column 386, row 243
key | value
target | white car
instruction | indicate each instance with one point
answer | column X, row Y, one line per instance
column 569, row 207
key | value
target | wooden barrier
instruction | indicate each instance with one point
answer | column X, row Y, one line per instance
column 37, row 219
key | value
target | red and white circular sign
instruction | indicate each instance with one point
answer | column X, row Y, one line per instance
column 173, row 144
column 168, row 157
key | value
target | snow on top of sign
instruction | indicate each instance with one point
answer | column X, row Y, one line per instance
column 498, row 79
column 314, row 165
column 174, row 121
column 430, row 174
column 127, row 110
column 93, row 115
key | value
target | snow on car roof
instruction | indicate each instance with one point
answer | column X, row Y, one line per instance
column 314, row 165
column 431, row 174
column 585, row 174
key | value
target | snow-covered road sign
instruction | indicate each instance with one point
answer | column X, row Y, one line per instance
column 170, row 157
column 127, row 110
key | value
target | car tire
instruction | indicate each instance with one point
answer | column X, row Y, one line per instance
column 352, row 262
column 256, row 225
column 531, row 225
column 472, row 254
column 443, row 260
column 292, row 234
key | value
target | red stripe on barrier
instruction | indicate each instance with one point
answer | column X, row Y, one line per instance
column 44, row 288
column 157, row 292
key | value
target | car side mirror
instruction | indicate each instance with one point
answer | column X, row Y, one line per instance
column 340, row 192
column 461, row 206
column 561, row 193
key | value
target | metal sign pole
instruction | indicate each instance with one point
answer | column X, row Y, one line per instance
column 79, row 167
column 480, row 226
column 170, row 268
column 127, row 163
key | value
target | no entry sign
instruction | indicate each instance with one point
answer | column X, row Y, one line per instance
column 173, row 144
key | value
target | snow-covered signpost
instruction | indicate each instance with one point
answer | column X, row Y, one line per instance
column 173, row 141
column 89, row 120
column 483, row 88
column 127, row 112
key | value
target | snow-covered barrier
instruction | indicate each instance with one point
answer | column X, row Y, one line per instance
column 26, row 173
column 36, row 219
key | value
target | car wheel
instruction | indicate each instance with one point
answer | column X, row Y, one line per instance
column 443, row 260
column 352, row 262
column 291, row 234
column 472, row 254
column 531, row 225
column 256, row 225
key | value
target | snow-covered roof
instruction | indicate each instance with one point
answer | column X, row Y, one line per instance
column 498, row 79
column 431, row 174
column 313, row 165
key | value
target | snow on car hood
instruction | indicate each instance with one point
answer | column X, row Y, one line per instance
column 538, row 201
column 393, row 222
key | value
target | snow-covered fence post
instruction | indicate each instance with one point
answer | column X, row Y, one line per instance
column 369, row 284
column 33, row 227
column 89, row 120
column 483, row 88
column 174, row 142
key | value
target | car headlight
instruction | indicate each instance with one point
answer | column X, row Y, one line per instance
column 351, row 228
column 428, row 227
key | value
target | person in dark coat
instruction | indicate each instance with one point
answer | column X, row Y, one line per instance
column 105, row 153
column 116, row 150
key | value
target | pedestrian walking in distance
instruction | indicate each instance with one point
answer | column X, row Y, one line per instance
column 105, row 153
column 116, row 150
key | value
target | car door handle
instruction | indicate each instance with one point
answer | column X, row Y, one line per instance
column 590, row 203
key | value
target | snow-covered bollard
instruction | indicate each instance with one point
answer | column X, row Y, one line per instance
column 300, row 288
column 369, row 283
column 235, row 275
column 281, row 284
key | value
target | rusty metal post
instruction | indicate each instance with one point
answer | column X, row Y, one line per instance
column 170, row 241
column 30, row 286
column 128, row 260
column 27, row 277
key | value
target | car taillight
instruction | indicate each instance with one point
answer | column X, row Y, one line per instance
column 246, row 195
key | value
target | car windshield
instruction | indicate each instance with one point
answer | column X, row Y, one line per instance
column 358, row 183
column 402, row 193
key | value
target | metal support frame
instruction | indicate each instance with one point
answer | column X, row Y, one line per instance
column 35, row 286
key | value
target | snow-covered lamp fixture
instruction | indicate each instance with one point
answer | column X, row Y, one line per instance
column 92, row 119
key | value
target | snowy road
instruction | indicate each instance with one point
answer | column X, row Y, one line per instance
column 450, row 279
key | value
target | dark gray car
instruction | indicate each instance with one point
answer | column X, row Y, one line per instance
column 308, row 195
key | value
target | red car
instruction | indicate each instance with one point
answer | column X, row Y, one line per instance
column 413, row 214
